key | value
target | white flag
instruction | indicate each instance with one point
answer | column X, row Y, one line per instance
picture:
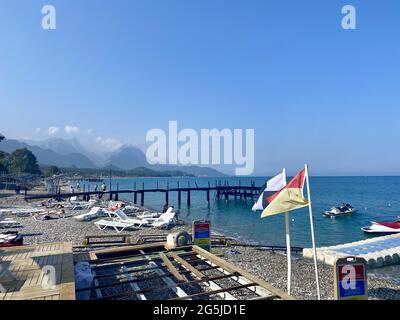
column 275, row 184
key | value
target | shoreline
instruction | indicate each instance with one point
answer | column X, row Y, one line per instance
column 269, row 266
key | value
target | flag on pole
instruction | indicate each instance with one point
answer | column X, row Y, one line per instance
column 273, row 185
column 289, row 198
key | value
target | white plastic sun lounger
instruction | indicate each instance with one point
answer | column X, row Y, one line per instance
column 153, row 215
column 78, row 205
column 26, row 212
column 164, row 221
column 148, row 215
column 116, row 225
column 120, row 216
column 21, row 212
column 131, row 209
column 8, row 223
column 92, row 214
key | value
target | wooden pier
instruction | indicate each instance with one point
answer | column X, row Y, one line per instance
column 222, row 191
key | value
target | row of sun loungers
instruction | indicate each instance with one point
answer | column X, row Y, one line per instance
column 121, row 221
column 118, row 219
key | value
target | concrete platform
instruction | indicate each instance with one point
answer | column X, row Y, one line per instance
column 23, row 272
column 377, row 252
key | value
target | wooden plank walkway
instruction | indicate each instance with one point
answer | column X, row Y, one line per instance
column 23, row 272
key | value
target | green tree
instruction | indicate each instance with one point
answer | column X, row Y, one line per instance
column 3, row 157
column 3, row 161
column 51, row 171
column 23, row 160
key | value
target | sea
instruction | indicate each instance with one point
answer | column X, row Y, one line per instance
column 375, row 198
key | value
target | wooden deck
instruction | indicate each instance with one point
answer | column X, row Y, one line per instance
column 22, row 276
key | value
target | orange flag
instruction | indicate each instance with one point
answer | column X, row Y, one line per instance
column 289, row 198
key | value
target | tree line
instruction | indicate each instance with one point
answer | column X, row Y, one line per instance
column 19, row 161
column 22, row 161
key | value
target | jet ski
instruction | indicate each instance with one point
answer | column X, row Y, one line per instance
column 345, row 209
column 11, row 239
column 383, row 227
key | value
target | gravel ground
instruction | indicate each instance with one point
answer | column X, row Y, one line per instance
column 264, row 264
column 272, row 267
column 67, row 229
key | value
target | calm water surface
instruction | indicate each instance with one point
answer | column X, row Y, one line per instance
column 376, row 198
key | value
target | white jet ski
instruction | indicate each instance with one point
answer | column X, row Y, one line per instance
column 345, row 209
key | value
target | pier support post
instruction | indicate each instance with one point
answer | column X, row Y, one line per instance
column 208, row 195
column 179, row 197
column 135, row 197
column 142, row 199
column 116, row 196
column 188, row 198
column 167, row 197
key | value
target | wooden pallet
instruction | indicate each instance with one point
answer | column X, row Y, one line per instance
column 178, row 268
column 23, row 277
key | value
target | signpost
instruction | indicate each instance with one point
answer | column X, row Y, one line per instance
column 201, row 231
column 350, row 279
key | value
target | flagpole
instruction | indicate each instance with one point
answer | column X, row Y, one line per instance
column 288, row 253
column 312, row 232
column 288, row 248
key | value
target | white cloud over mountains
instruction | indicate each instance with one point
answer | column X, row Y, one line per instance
column 71, row 129
column 109, row 144
column 52, row 130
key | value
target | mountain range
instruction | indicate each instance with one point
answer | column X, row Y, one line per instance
column 68, row 153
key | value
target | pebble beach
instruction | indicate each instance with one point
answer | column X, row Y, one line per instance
column 266, row 265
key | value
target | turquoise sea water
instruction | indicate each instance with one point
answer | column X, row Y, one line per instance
column 376, row 198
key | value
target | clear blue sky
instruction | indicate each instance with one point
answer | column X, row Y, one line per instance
column 312, row 91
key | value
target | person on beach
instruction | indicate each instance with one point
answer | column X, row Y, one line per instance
column 103, row 187
column 95, row 188
column 78, row 186
column 17, row 189
column 71, row 189
column 165, row 208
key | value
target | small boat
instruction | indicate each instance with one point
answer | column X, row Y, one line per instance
column 345, row 209
column 11, row 239
column 383, row 227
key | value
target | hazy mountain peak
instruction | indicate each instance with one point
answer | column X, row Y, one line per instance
column 128, row 157
column 69, row 152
